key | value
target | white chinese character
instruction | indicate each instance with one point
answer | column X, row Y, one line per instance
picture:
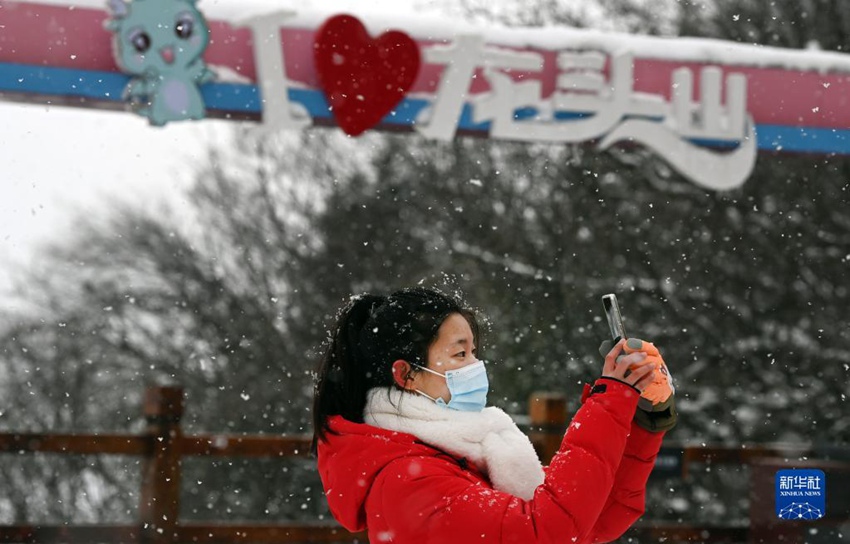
column 278, row 111
column 813, row 482
column 582, row 89
column 709, row 119
column 460, row 59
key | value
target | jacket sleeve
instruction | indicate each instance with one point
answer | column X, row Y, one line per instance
column 626, row 502
column 434, row 504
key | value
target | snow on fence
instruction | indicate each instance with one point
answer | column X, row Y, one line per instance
column 163, row 445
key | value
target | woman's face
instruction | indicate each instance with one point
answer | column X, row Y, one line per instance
column 454, row 348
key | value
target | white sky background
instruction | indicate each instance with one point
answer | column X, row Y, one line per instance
column 58, row 162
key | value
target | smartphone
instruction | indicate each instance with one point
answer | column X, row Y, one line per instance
column 615, row 318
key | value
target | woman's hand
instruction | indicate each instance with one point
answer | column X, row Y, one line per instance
column 639, row 364
column 634, row 369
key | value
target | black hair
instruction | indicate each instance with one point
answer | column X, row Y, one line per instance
column 372, row 332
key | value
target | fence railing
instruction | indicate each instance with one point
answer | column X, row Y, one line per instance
column 163, row 445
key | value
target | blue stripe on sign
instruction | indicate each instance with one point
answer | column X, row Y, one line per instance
column 803, row 139
column 62, row 81
column 245, row 98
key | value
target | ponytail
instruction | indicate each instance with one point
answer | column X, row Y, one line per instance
column 341, row 385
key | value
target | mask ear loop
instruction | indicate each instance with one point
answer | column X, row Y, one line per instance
column 427, row 396
column 432, row 399
column 426, row 369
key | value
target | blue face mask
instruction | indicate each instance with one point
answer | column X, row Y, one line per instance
column 468, row 387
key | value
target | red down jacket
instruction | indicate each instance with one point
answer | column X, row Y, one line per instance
column 405, row 491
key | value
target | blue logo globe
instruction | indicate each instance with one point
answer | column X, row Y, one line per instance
column 800, row 510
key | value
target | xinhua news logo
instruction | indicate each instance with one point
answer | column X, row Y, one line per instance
column 800, row 494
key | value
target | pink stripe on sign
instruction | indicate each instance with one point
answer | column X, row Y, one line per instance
column 231, row 47
column 774, row 96
column 57, row 36
column 60, row 37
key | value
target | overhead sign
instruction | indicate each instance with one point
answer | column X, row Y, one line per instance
column 705, row 106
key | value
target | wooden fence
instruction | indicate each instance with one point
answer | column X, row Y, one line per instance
column 163, row 445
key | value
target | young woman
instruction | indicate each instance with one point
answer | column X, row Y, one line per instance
column 408, row 451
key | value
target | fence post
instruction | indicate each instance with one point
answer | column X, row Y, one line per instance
column 160, row 495
column 548, row 415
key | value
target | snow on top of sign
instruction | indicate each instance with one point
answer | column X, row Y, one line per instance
column 379, row 16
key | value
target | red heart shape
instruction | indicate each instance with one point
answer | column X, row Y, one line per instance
column 363, row 78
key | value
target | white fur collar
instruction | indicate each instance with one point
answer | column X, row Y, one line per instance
column 488, row 438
